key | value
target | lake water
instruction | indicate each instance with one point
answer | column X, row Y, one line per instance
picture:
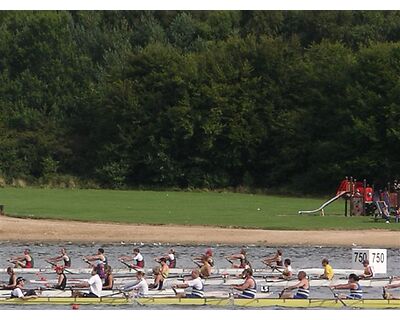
column 302, row 257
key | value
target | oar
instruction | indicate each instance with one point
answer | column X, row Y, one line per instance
column 229, row 260
column 196, row 263
column 337, row 297
column 126, row 264
column 55, row 265
column 281, row 293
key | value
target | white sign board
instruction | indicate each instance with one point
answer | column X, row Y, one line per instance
column 377, row 259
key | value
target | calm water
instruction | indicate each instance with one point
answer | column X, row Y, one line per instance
column 302, row 257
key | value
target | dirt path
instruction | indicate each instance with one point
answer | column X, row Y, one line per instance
column 15, row 229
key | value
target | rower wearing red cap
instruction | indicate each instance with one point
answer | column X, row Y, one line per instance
column 61, row 279
column 208, row 256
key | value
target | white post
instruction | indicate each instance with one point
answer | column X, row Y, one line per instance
column 377, row 259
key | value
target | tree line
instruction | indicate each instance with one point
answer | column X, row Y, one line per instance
column 291, row 101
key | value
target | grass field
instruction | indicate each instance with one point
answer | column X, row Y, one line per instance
column 195, row 208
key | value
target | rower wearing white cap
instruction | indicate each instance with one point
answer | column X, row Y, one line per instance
column 17, row 292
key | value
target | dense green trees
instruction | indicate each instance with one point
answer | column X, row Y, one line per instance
column 280, row 100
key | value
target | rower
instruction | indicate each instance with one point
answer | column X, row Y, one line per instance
column 12, row 281
column 368, row 272
column 137, row 259
column 248, row 287
column 24, row 261
column 387, row 295
column 328, row 270
column 243, row 262
column 170, row 258
column 195, row 283
column 287, row 272
column 205, row 269
column 140, row 289
column 95, row 286
column 109, row 279
column 98, row 258
column 274, row 260
column 62, row 278
column 208, row 255
column 98, row 261
column 62, row 257
column 160, row 274
column 18, row 293
column 352, row 284
column 303, row 287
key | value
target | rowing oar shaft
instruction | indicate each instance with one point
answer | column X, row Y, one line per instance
column 337, row 297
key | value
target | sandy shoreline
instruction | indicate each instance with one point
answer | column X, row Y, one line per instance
column 15, row 229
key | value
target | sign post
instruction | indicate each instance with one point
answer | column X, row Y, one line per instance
column 377, row 259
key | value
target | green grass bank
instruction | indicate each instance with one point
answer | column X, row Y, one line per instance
column 184, row 208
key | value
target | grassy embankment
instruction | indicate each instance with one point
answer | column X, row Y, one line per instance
column 195, row 208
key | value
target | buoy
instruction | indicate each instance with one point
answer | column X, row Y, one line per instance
column 75, row 306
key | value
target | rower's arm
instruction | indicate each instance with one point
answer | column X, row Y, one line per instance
column 236, row 256
column 393, row 286
column 56, row 259
column 181, row 285
column 110, row 282
column 243, row 286
column 297, row 285
column 342, row 286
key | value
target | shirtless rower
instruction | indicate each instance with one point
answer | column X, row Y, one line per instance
column 328, row 270
column 95, row 286
column 352, row 284
column 109, row 278
column 62, row 257
column 12, row 281
column 137, row 259
column 160, row 274
column 303, row 288
column 243, row 262
column 208, row 255
column 24, row 261
column 61, row 278
column 170, row 257
column 387, row 295
column 274, row 260
column 205, row 269
column 368, row 272
column 248, row 287
column 195, row 283
column 140, row 289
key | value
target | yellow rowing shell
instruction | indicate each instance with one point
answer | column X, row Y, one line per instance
column 223, row 302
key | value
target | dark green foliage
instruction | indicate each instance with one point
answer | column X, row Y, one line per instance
column 289, row 100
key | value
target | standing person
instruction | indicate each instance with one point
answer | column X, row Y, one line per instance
column 352, row 284
column 368, row 272
column 170, row 257
column 61, row 279
column 140, row 289
column 303, row 287
column 274, row 260
column 95, row 286
column 12, row 281
column 109, row 279
column 328, row 270
column 137, row 259
column 18, row 293
column 62, row 257
column 248, row 287
column 243, row 261
column 24, row 261
column 195, row 283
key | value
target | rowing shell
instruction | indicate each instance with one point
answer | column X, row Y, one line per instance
column 215, row 301
column 227, row 282
column 179, row 271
